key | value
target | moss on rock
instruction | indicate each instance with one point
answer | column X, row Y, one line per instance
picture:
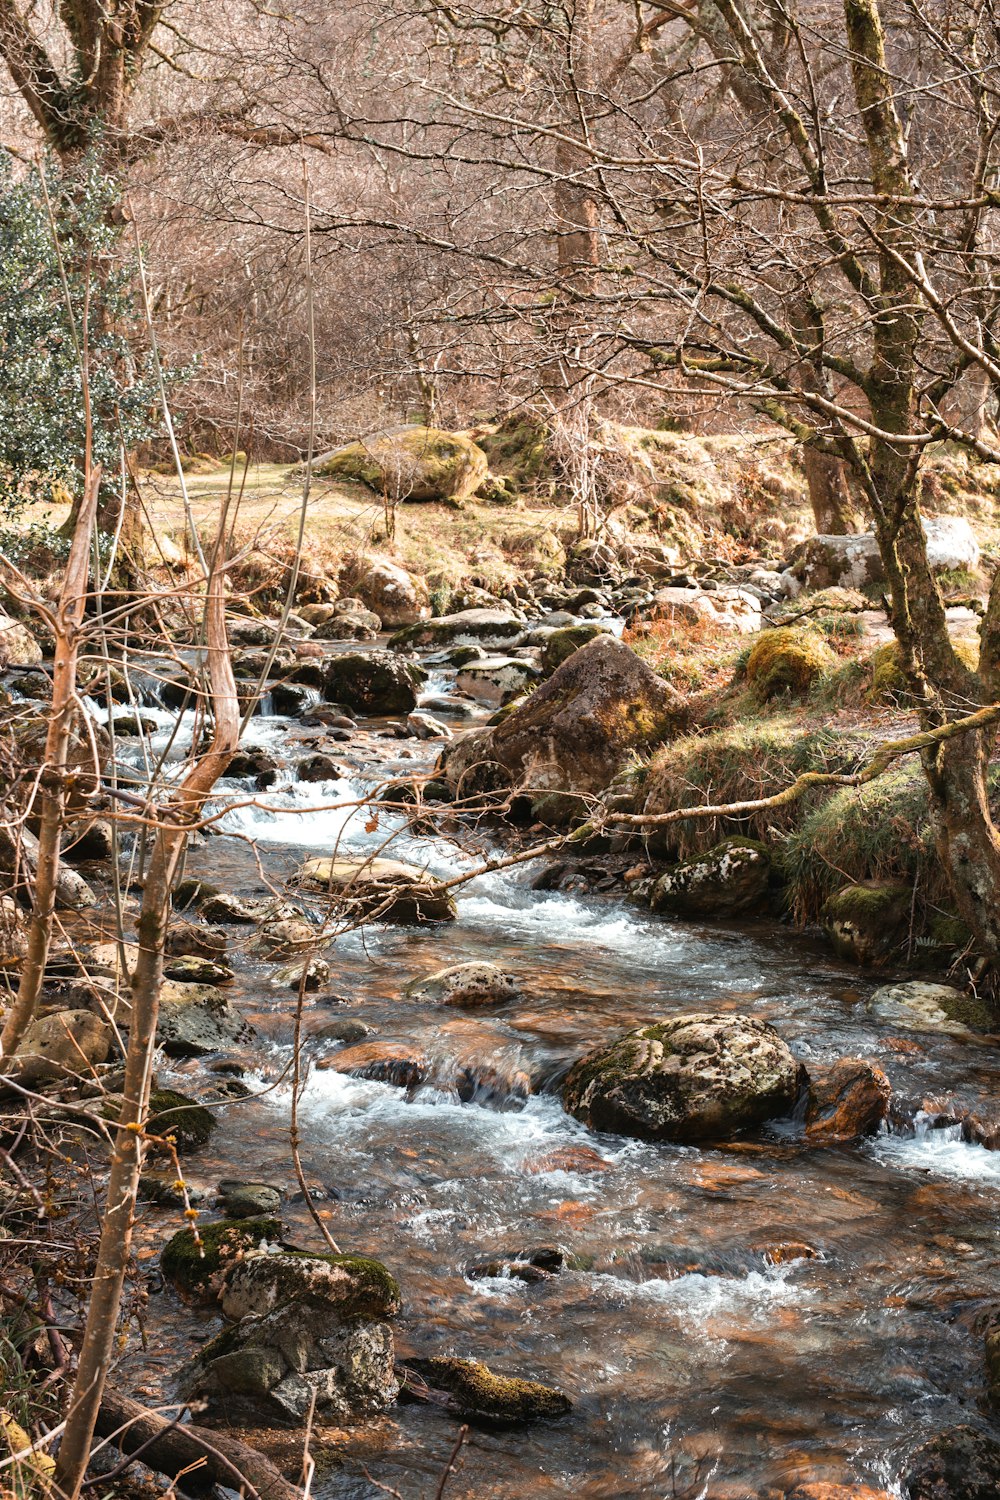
column 868, row 922
column 173, row 1114
column 413, row 463
column 787, row 661
column 478, row 1395
column 197, row 1268
column 562, row 643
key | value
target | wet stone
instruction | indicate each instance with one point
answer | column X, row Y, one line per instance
column 476, row 1394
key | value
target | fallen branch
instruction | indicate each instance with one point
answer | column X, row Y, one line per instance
column 170, row 1449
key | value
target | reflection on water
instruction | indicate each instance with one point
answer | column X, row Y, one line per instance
column 738, row 1316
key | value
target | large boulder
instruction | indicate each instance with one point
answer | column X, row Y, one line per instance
column 410, row 463
column 692, row 1078
column 854, row 562
column 575, row 732
column 466, row 627
column 372, row 682
column 394, row 594
column 868, row 922
column 383, row 890
column 310, row 1334
column 729, row 879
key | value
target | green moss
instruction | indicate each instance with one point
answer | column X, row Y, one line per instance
column 519, row 448
column 173, row 1114
column 195, row 1269
column 494, row 1400
column 888, row 681
column 787, row 661
column 562, row 643
column 970, row 1011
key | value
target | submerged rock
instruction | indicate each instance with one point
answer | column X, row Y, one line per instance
column 476, row 1394
column 694, row 1077
column 468, row 985
column 848, row 1100
column 958, row 1464
column 384, row 890
column 731, row 878
column 575, row 732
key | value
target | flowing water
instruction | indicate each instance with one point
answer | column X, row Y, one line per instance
column 748, row 1314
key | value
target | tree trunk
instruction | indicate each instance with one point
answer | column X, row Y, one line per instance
column 829, row 491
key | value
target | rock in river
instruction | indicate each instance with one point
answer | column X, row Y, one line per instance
column 476, row 1394
column 691, row 1078
column 961, row 1463
column 383, row 890
column 848, row 1100
column 467, row 985
column 575, row 732
column 729, row 879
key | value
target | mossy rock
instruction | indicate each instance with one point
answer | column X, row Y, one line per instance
column 868, row 922
column 170, row 1113
column 730, row 878
column 520, row 449
column 888, row 680
column 198, row 1270
column 356, row 1285
column 477, row 1395
column 562, row 643
column 412, row 463
column 787, row 661
column 696, row 1077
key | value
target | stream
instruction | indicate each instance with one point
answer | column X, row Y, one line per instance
column 749, row 1314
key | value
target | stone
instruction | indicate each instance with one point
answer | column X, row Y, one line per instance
column 248, row 1200
column 171, row 1114
column 867, row 923
column 381, row 1062
column 375, row 682
column 254, row 763
column 477, row 1394
column 921, row 1006
column 467, row 985
column 357, row 1286
column 426, row 727
column 393, row 593
column 787, row 661
column 64, row 1044
column 410, row 463
column 230, row 910
column 694, row 1077
column 820, row 1491
column 191, row 892
column 497, row 680
column 196, row 1019
column 561, row 644
column 318, row 767
column 308, row 974
column 348, row 1032
column 960, row 1463
column 196, row 1266
column 94, row 841
column 289, row 938
column 529, row 1266
column 855, row 561
column 191, row 939
column 575, row 732
column 384, row 890
column 357, row 625
column 732, row 609
column 846, row 1101
column 465, row 628
column 731, row 878
column 18, row 647
column 190, row 968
